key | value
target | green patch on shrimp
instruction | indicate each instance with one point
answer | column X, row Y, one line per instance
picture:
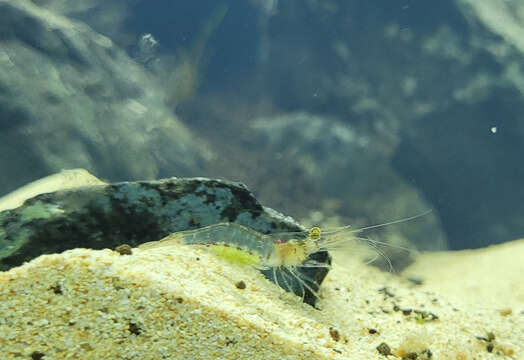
column 235, row 255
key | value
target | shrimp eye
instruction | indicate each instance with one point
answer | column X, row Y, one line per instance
column 314, row 233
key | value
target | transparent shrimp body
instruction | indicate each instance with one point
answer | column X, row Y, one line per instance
column 237, row 243
column 282, row 257
column 247, row 246
column 296, row 261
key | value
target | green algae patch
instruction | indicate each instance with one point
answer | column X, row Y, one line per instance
column 39, row 210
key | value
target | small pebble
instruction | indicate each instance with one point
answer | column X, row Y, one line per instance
column 124, row 249
column 335, row 335
column 384, row 349
column 505, row 312
column 37, row 355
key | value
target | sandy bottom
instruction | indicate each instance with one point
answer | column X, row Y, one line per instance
column 492, row 277
column 184, row 303
column 66, row 179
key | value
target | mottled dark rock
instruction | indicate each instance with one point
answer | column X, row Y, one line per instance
column 106, row 216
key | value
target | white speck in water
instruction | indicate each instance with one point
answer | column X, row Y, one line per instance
column 493, row 129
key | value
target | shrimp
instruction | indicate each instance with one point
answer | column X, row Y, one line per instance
column 284, row 257
column 278, row 256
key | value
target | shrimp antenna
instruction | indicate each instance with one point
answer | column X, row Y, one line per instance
column 288, row 288
column 392, row 222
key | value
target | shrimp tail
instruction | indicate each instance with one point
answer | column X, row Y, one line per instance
column 303, row 281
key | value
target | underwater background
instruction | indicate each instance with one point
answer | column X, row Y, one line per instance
column 332, row 111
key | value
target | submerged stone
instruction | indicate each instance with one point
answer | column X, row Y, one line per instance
column 106, row 216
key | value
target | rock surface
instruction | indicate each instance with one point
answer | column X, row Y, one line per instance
column 66, row 179
column 104, row 216
column 184, row 303
column 109, row 215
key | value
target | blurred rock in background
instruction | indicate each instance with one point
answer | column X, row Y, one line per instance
column 332, row 111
